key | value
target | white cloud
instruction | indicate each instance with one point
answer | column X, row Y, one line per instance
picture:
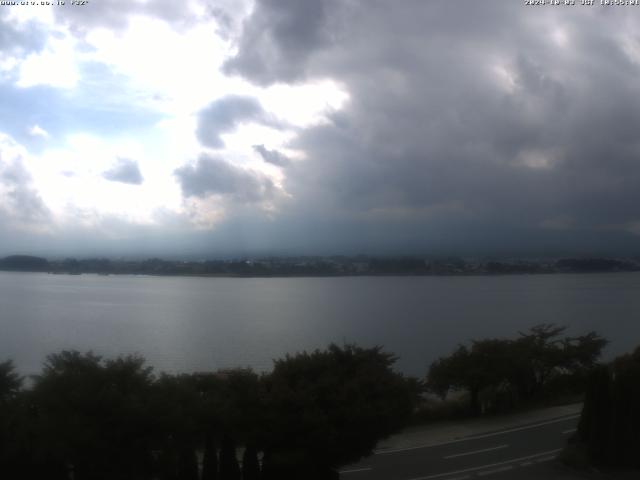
column 21, row 206
column 70, row 179
column 37, row 131
column 180, row 68
column 153, row 66
column 55, row 66
column 306, row 104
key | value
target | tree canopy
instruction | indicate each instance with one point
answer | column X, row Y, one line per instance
column 100, row 419
column 609, row 427
column 329, row 408
column 522, row 367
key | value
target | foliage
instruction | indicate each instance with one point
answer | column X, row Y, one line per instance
column 10, row 381
column 329, row 408
column 93, row 414
column 99, row 419
column 519, row 369
column 610, row 422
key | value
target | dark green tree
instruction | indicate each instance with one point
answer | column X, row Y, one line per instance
column 93, row 415
column 176, row 405
column 625, row 414
column 594, row 426
column 250, row 464
column 233, row 410
column 330, row 408
column 229, row 467
column 10, row 381
column 516, row 370
column 210, row 459
column 12, row 422
column 486, row 364
column 188, row 462
column 609, row 427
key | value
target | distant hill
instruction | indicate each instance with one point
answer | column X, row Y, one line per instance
column 580, row 265
column 24, row 263
column 317, row 266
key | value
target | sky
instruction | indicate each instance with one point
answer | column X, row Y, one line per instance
column 200, row 129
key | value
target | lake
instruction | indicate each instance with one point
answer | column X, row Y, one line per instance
column 184, row 324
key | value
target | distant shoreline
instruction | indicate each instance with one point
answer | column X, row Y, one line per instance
column 319, row 275
column 336, row 266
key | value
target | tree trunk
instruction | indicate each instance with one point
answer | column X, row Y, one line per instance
column 229, row 468
column 210, row 459
column 474, row 401
column 250, row 464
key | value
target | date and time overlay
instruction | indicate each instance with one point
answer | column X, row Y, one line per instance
column 583, row 3
column 44, row 3
column 529, row 3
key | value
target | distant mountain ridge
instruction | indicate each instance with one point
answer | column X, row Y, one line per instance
column 24, row 263
column 318, row 266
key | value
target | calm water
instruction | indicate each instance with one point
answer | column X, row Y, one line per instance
column 187, row 324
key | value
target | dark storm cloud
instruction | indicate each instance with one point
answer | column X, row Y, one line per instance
column 215, row 176
column 279, row 37
column 225, row 114
column 124, row 171
column 479, row 122
column 272, row 156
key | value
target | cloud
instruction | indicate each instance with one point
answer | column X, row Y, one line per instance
column 37, row 131
column 462, row 131
column 20, row 38
column 272, row 156
column 124, row 171
column 115, row 14
column 214, row 176
column 21, row 206
column 279, row 38
column 225, row 114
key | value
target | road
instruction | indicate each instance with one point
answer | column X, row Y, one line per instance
column 485, row 456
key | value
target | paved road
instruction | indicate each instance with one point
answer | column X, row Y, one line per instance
column 482, row 456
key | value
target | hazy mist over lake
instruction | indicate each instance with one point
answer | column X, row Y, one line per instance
column 183, row 324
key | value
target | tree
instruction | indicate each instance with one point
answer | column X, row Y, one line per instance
column 519, row 369
column 93, row 415
column 485, row 365
column 609, row 427
column 229, row 468
column 10, row 381
column 210, row 459
column 541, row 355
column 12, row 441
column 449, row 373
column 250, row 464
column 176, row 404
column 595, row 421
column 329, row 408
column 232, row 411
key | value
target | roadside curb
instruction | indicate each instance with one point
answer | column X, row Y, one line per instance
column 452, row 432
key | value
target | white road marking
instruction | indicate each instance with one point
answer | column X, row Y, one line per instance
column 571, row 430
column 526, row 464
column 495, row 470
column 476, row 451
column 355, row 470
column 482, row 467
column 476, row 437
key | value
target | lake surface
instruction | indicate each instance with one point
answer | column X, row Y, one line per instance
column 183, row 324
